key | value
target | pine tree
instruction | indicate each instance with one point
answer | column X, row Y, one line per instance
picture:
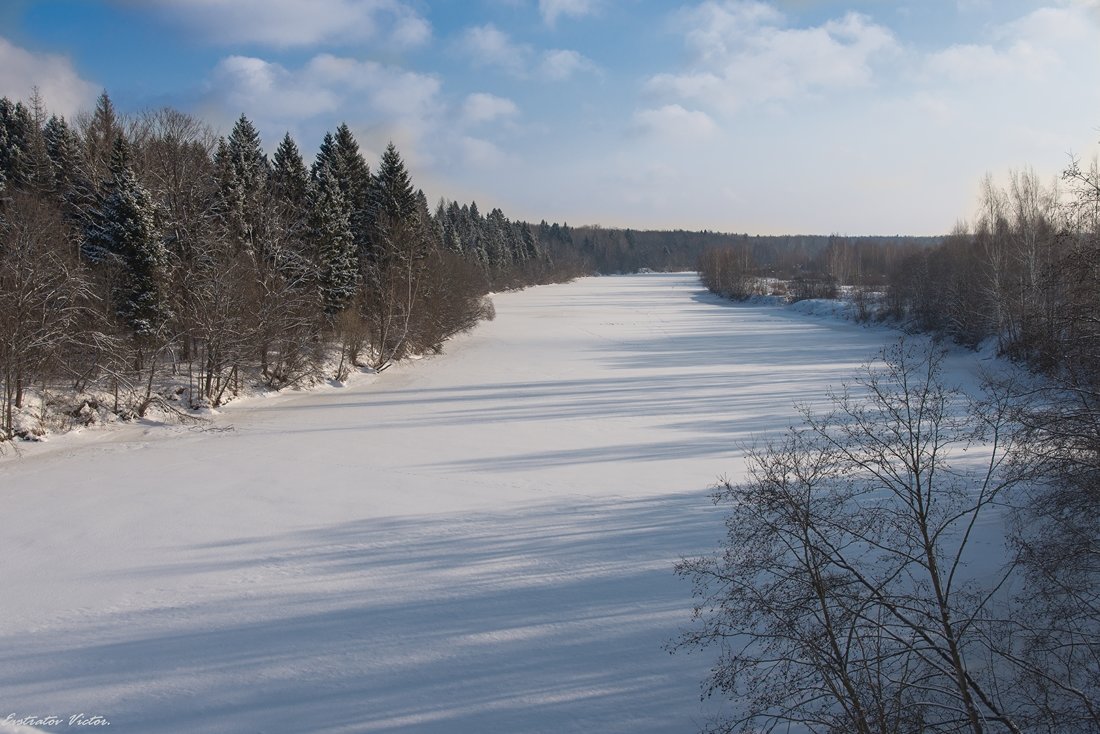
column 40, row 173
column 452, row 229
column 330, row 231
column 63, row 150
column 497, row 240
column 123, row 232
column 3, row 156
column 243, row 172
column 16, row 154
column 473, row 238
column 100, row 132
column 341, row 152
column 289, row 185
column 289, row 177
column 393, row 196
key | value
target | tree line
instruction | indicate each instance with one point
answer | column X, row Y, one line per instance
column 616, row 250
column 1023, row 277
column 144, row 250
column 841, row 599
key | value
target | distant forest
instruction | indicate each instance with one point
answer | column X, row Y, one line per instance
column 136, row 250
column 1025, row 275
column 140, row 251
column 609, row 250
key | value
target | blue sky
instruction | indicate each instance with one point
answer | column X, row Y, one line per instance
column 762, row 116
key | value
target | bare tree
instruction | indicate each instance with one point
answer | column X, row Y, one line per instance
column 1056, row 535
column 392, row 286
column 840, row 600
column 730, row 272
column 43, row 294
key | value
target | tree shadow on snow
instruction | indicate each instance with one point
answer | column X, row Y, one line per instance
column 548, row 618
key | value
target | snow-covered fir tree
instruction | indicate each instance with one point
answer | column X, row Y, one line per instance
column 3, row 172
column 289, row 187
column 393, row 195
column 63, row 149
column 242, row 184
column 99, row 133
column 497, row 236
column 330, row 231
column 123, row 233
column 16, row 143
column 340, row 151
column 289, row 177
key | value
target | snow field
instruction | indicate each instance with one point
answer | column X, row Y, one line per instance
column 477, row 542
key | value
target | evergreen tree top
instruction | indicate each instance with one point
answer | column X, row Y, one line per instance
column 394, row 194
column 287, row 151
column 325, row 180
column 288, row 162
column 345, row 140
column 340, row 152
column 101, row 131
column 105, row 111
column 288, row 171
column 120, row 158
column 246, row 152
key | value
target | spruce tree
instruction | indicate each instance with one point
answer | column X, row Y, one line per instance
column 393, row 196
column 532, row 252
column 341, row 152
column 63, row 150
column 326, row 154
column 398, row 235
column 100, row 133
column 474, row 234
column 123, row 232
column 289, row 186
column 16, row 150
column 289, row 177
column 3, row 156
column 330, row 231
column 243, row 172
column 40, row 173
column 497, row 240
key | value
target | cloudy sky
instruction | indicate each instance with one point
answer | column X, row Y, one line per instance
column 762, row 116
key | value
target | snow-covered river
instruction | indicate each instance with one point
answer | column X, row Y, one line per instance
column 477, row 542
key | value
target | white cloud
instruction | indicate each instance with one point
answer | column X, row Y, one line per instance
column 974, row 6
column 673, row 121
column 972, row 62
column 61, row 87
column 487, row 45
column 745, row 53
column 1043, row 45
column 561, row 64
column 267, row 90
column 379, row 101
column 551, row 10
column 482, row 107
column 290, row 23
column 714, row 26
column 483, row 154
column 389, row 90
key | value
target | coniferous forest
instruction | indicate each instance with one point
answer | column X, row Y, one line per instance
column 150, row 265
column 138, row 252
